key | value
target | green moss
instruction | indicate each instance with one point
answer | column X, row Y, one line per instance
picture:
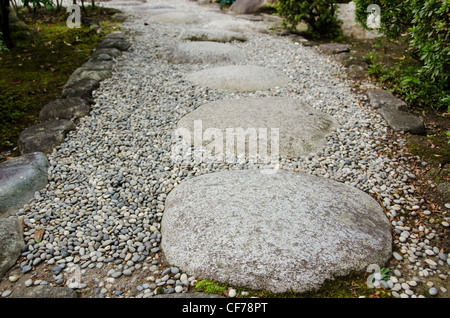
column 34, row 72
column 351, row 286
column 211, row 287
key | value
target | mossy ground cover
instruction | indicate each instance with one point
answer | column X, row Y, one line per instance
column 353, row 285
column 35, row 71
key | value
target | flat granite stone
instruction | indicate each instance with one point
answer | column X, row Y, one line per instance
column 211, row 35
column 302, row 128
column 241, row 78
column 201, row 52
column 278, row 232
column 177, row 17
column 239, row 25
column 20, row 178
column 44, row 137
column 383, row 98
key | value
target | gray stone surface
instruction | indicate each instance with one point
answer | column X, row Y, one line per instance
column 65, row 108
column 81, row 73
column 116, row 43
column 395, row 112
column 302, row 129
column 46, row 291
column 249, row 6
column 279, row 232
column 44, row 137
column 20, row 178
column 334, row 48
column 211, row 35
column 402, row 121
column 198, row 52
column 240, row 25
column 80, row 88
column 241, row 78
column 383, row 98
column 11, row 238
column 177, row 17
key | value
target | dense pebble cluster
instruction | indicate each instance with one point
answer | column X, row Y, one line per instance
column 108, row 182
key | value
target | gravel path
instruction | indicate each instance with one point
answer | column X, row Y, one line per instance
column 102, row 208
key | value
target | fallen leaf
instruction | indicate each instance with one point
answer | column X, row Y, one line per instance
column 39, row 235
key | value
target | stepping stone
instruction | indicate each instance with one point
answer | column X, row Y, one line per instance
column 20, row 178
column 278, row 232
column 249, row 6
column 44, row 137
column 235, row 25
column 65, row 108
column 211, row 35
column 241, row 78
column 202, row 53
column 302, row 128
column 11, row 236
column 177, row 17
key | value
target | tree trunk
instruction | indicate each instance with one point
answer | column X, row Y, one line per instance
column 4, row 23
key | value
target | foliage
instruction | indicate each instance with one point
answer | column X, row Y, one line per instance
column 426, row 24
column 406, row 80
column 39, row 3
column 2, row 45
column 319, row 15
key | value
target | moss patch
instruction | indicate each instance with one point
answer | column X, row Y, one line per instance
column 35, row 71
column 352, row 286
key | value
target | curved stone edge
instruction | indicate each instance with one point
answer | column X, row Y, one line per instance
column 81, row 84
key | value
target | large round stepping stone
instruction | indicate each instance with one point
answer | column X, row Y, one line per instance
column 199, row 52
column 177, row 17
column 302, row 128
column 20, row 178
column 241, row 78
column 278, row 232
column 211, row 35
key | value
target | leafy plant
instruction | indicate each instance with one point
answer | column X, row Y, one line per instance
column 427, row 26
column 39, row 3
column 319, row 15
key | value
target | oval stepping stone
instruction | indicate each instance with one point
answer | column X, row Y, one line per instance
column 241, row 78
column 302, row 128
column 202, row 53
column 278, row 232
column 211, row 35
column 177, row 17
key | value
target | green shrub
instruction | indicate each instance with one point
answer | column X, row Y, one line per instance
column 426, row 24
column 319, row 15
column 2, row 45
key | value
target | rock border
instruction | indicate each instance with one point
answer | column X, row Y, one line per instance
column 57, row 118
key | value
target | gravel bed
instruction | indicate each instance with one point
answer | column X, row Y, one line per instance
column 102, row 208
